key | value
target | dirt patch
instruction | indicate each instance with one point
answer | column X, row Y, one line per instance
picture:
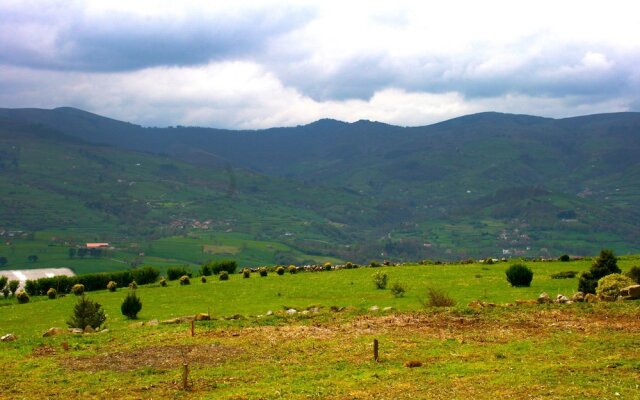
column 156, row 357
column 43, row 351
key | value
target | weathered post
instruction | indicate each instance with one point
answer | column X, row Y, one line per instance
column 185, row 376
column 193, row 327
column 375, row 350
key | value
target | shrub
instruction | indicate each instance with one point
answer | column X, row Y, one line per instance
column 13, row 287
column 262, row 271
column 52, row 293
column 398, row 290
column 488, row 260
column 280, row 270
column 203, row 279
column 438, row 298
column 131, row 305
column 145, row 275
column 133, row 285
column 634, row 273
column 348, row 265
column 87, row 313
column 205, row 269
column 292, row 269
column 224, row 276
column 246, row 273
column 380, row 280
column 112, row 286
column 174, row 273
column 327, row 266
column 564, row 275
column 519, row 275
column 22, row 296
column 564, row 258
column 3, row 281
column 223, row 265
column 184, row 280
column 163, row 282
column 604, row 265
column 374, row 264
column 77, row 289
column 609, row 286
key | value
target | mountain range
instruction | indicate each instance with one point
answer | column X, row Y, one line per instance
column 487, row 184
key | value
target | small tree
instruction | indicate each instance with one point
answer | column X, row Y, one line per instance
column 13, row 286
column 133, row 285
column 380, row 280
column 398, row 290
column 604, row 265
column 519, row 275
column 87, row 313
column 131, row 305
column 3, row 281
column 564, row 258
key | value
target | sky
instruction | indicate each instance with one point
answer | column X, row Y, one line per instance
column 259, row 64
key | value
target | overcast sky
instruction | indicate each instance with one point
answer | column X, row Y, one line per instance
column 258, row 64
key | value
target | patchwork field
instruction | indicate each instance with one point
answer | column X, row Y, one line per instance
column 325, row 349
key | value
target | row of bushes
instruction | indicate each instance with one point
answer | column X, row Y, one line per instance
column 91, row 282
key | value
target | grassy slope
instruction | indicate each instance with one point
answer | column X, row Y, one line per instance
column 580, row 351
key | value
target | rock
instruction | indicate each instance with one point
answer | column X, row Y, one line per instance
column 103, row 331
column 89, row 329
column 9, row 337
column 53, row 332
column 387, row 309
column 314, row 310
column 476, row 304
column 523, row 302
column 234, row 317
column 631, row 292
column 291, row 311
column 77, row 331
column 171, row 321
column 137, row 325
column 374, row 308
column 591, row 298
column 202, row 317
column 544, row 298
column 561, row 299
column 153, row 322
column 269, row 313
column 577, row 297
column 305, row 312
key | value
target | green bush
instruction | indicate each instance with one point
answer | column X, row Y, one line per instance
column 564, row 258
column 184, row 280
column 564, row 275
column 133, row 285
column 280, row 270
column 3, row 281
column 131, row 305
column 292, row 269
column 205, row 269
column 374, row 264
column 13, row 287
column 328, row 266
column 488, row 260
column 348, row 265
column 174, row 273
column 77, row 289
column 52, row 293
column 519, row 275
column 380, row 280
column 163, row 282
column 438, row 298
column 112, row 286
column 262, row 271
column 203, row 279
column 22, row 296
column 634, row 273
column 397, row 290
column 145, row 275
column 87, row 313
column 604, row 265
column 609, row 286
column 223, row 265
column 224, row 276
column 246, row 273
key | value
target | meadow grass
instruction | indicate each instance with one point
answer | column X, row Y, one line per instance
column 538, row 351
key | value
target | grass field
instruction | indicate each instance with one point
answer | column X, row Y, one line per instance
column 531, row 351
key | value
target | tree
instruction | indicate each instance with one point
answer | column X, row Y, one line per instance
column 3, row 261
column 13, row 286
column 604, row 265
column 131, row 305
column 3, row 281
column 87, row 313
column 32, row 258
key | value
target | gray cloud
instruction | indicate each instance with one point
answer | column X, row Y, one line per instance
column 69, row 39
